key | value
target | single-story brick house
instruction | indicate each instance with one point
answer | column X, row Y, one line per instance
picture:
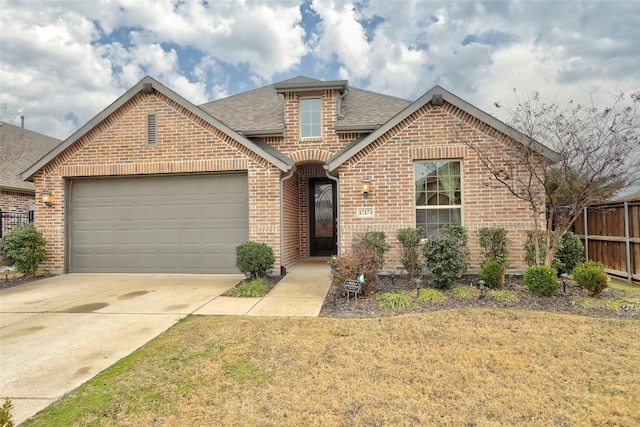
column 156, row 184
column 19, row 148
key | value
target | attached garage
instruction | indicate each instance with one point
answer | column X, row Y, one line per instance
column 156, row 224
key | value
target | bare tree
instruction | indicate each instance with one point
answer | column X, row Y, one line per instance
column 596, row 152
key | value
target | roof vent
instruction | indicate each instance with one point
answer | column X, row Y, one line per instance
column 152, row 129
column 147, row 88
column 437, row 99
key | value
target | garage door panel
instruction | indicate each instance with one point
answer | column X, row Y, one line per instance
column 172, row 224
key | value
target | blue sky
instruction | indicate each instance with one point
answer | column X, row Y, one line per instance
column 62, row 62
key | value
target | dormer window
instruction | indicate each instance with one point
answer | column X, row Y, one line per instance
column 310, row 117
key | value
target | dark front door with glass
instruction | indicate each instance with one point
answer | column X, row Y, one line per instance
column 322, row 217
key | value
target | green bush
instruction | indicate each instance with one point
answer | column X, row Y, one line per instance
column 494, row 244
column 362, row 259
column 395, row 301
column 255, row 288
column 430, row 295
column 492, row 272
column 530, row 253
column 465, row 291
column 569, row 254
column 503, row 296
column 456, row 232
column 6, row 419
column 409, row 239
column 590, row 275
column 26, row 247
column 377, row 240
column 541, row 280
column 255, row 259
column 4, row 258
column 445, row 256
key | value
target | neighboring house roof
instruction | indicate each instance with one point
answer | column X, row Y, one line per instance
column 260, row 112
column 440, row 94
column 150, row 84
column 632, row 197
column 19, row 148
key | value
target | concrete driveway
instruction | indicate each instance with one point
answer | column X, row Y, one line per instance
column 57, row 333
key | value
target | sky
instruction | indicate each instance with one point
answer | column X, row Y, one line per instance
column 62, row 62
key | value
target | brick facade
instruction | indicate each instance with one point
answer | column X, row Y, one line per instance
column 16, row 201
column 116, row 146
column 389, row 166
column 186, row 144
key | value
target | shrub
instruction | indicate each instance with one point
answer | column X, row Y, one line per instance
column 254, row 288
column 377, row 240
column 255, row 259
column 456, row 232
column 590, row 275
column 430, row 295
column 465, row 291
column 6, row 419
column 4, row 258
column 26, row 247
column 569, row 254
column 503, row 296
column 362, row 259
column 409, row 239
column 494, row 244
column 541, row 280
column 395, row 301
column 492, row 272
column 530, row 253
column 444, row 256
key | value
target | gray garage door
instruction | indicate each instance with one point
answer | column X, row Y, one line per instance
column 159, row 224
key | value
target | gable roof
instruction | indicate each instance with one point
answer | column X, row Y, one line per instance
column 349, row 151
column 260, row 112
column 19, row 148
column 149, row 84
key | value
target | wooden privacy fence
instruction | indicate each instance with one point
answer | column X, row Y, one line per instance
column 611, row 235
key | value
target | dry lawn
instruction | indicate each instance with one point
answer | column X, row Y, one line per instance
column 473, row 367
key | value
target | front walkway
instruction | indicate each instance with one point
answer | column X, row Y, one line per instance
column 300, row 293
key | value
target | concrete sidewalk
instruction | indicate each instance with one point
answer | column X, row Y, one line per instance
column 57, row 333
column 300, row 293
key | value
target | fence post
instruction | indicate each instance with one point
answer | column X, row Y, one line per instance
column 1, row 225
column 586, row 235
column 627, row 237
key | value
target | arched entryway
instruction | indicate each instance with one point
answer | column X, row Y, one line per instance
column 310, row 213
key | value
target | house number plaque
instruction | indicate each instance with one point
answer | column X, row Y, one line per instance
column 366, row 213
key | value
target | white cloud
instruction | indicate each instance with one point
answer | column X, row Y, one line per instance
column 64, row 61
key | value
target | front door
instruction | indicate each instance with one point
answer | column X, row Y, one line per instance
column 322, row 217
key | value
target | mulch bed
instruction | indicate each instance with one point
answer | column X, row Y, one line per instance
column 562, row 302
column 369, row 306
column 15, row 281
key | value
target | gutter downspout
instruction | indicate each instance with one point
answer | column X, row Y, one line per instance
column 283, row 269
column 333, row 178
column 342, row 96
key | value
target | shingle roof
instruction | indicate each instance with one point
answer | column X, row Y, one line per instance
column 17, row 153
column 438, row 92
column 261, row 111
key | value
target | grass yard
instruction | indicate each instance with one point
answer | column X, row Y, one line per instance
column 467, row 367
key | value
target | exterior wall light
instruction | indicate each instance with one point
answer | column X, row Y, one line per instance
column 366, row 186
column 46, row 198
